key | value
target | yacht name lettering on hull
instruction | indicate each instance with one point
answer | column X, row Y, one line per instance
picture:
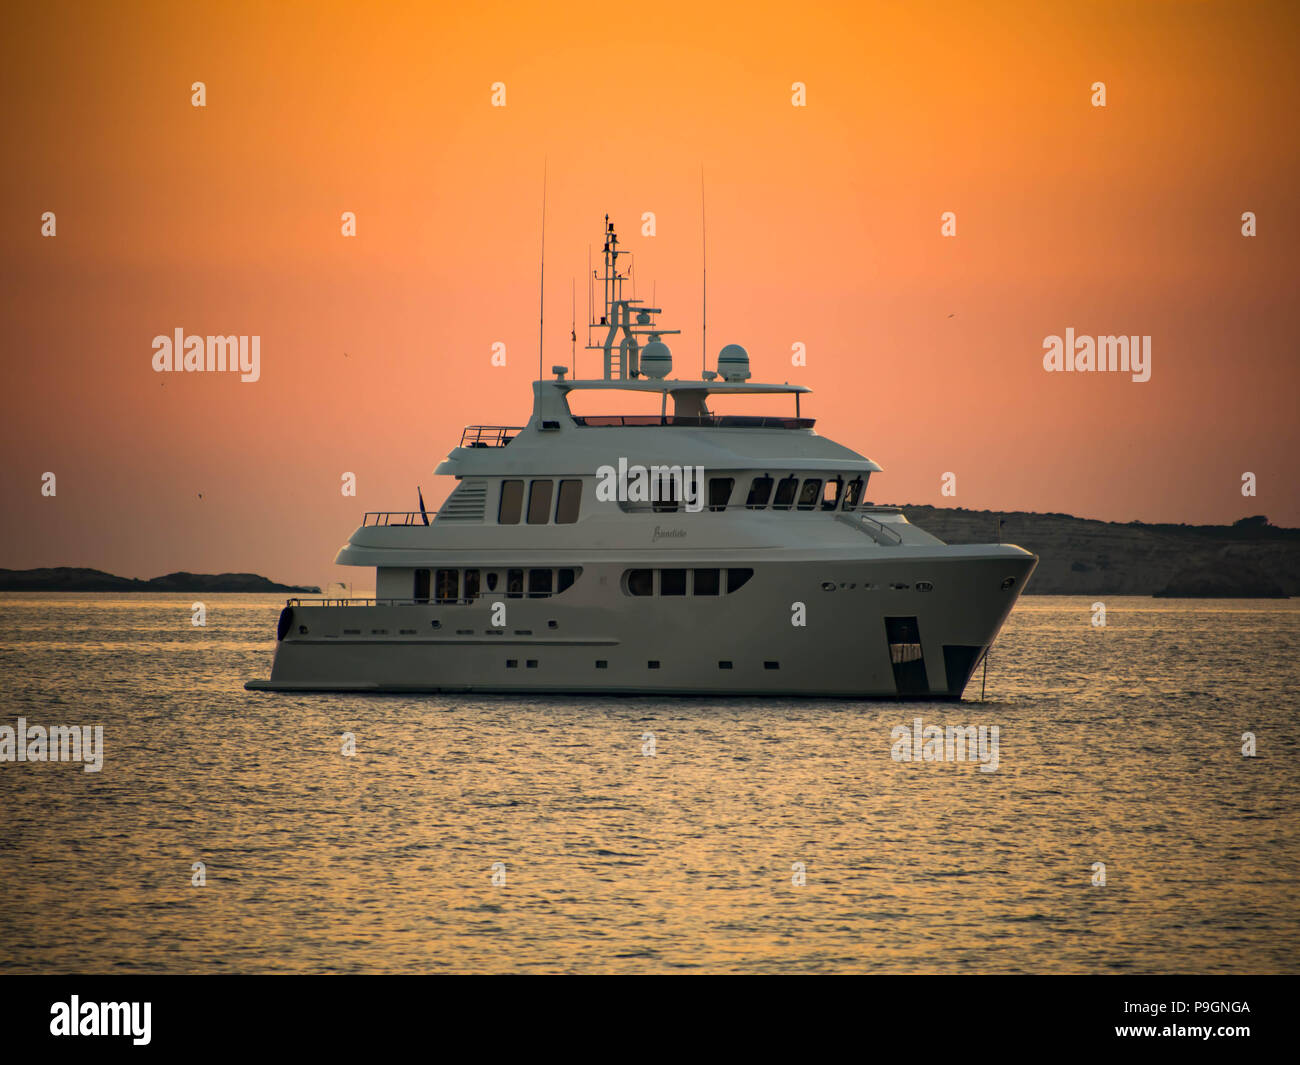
column 667, row 534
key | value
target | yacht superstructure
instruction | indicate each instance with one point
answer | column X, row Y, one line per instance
column 684, row 552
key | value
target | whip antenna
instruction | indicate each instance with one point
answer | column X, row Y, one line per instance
column 541, row 285
column 704, row 282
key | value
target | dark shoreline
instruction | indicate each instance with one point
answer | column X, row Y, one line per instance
column 72, row 579
column 1249, row 559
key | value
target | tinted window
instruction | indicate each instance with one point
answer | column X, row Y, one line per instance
column 566, row 510
column 672, row 582
column 707, row 582
column 446, row 585
column 566, row 580
column 785, row 493
column 640, row 582
column 811, row 494
column 720, row 492
column 539, row 502
column 471, row 584
column 539, row 583
column 421, row 586
column 514, row 583
column 512, row 499
column 737, row 577
column 664, row 492
column 492, row 582
column 760, row 491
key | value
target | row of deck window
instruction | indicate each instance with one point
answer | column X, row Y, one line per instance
column 537, row 502
column 790, row 493
column 465, row 586
column 540, row 492
column 684, row 581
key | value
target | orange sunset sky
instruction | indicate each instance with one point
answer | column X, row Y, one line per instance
column 924, row 351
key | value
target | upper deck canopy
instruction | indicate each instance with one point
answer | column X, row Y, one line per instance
column 638, row 384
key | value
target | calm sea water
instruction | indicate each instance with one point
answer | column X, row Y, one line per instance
column 1119, row 745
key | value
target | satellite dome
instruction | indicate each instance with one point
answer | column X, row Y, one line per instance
column 733, row 363
column 656, row 359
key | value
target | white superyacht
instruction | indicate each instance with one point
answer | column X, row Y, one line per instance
column 680, row 553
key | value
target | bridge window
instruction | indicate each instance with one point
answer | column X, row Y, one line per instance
column 833, row 493
column 720, row 492
column 760, row 491
column 512, row 499
column 853, row 494
column 663, row 490
column 539, row 502
column 566, row 510
column 786, row 490
column 811, row 493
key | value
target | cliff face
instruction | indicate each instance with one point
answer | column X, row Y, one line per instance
column 1078, row 556
column 72, row 579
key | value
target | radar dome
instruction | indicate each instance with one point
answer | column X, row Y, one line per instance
column 656, row 360
column 733, row 363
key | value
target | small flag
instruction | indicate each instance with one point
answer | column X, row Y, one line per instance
column 423, row 513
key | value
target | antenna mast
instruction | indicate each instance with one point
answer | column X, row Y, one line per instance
column 625, row 320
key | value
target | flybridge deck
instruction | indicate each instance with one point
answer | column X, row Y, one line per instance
column 501, row 435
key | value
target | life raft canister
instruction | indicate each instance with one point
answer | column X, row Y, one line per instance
column 286, row 619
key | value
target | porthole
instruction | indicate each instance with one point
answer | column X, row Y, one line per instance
column 828, row 586
column 924, row 586
column 1009, row 583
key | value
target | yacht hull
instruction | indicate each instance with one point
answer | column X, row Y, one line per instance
column 902, row 627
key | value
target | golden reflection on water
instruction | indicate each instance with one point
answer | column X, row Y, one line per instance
column 615, row 861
